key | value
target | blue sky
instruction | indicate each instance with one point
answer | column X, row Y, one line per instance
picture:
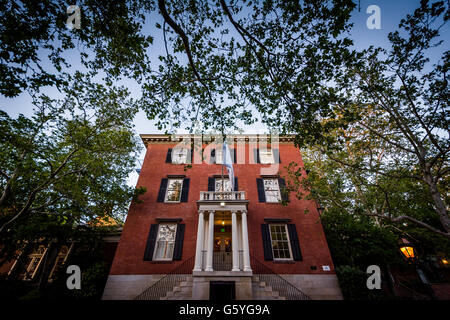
column 391, row 14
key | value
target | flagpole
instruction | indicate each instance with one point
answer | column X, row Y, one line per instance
column 223, row 153
column 222, row 170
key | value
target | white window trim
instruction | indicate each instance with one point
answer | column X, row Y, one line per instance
column 183, row 161
column 167, row 190
column 50, row 277
column 156, row 243
column 219, row 152
column 279, row 191
column 225, row 179
column 288, row 241
column 37, row 267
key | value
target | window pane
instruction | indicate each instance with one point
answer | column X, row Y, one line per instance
column 280, row 242
column 167, row 232
column 219, row 152
column 226, row 185
column 179, row 155
column 265, row 156
column 174, row 190
column 166, row 241
column 272, row 190
column 32, row 263
column 62, row 254
column 159, row 250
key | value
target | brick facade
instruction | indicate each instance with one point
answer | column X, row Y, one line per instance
column 129, row 260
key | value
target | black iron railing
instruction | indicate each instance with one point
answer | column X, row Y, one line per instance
column 414, row 295
column 160, row 288
column 222, row 261
column 276, row 282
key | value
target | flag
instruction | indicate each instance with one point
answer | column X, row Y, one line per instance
column 228, row 163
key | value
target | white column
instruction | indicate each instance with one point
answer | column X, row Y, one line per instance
column 246, row 253
column 209, row 254
column 205, row 244
column 234, row 241
column 199, row 246
column 240, row 248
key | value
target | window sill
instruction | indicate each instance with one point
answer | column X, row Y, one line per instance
column 159, row 261
column 284, row 261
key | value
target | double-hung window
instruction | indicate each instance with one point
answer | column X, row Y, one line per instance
column 165, row 241
column 222, row 185
column 266, row 156
column 32, row 263
column 180, row 155
column 281, row 247
column 219, row 155
column 60, row 259
column 272, row 190
column 174, row 188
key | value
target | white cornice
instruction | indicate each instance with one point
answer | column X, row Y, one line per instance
column 164, row 138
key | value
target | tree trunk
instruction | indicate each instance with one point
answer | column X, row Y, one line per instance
column 438, row 202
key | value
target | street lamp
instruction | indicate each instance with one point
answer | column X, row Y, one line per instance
column 407, row 249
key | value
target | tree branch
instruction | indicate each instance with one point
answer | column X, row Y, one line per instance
column 415, row 221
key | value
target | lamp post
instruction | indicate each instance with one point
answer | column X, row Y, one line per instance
column 409, row 252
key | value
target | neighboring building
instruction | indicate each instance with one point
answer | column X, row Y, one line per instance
column 191, row 238
column 39, row 263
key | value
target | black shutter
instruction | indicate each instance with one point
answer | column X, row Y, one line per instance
column 151, row 240
column 234, row 155
column 295, row 245
column 236, row 187
column 276, row 156
column 185, row 190
column 190, row 156
column 261, row 193
column 169, row 156
column 162, row 190
column 283, row 190
column 211, row 184
column 256, row 155
column 267, row 243
column 178, row 248
column 213, row 156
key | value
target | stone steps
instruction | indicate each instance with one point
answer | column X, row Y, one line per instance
column 182, row 291
column 261, row 291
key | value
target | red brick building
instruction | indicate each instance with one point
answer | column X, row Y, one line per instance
column 191, row 237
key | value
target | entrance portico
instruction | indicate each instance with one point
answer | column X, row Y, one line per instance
column 222, row 250
column 222, row 234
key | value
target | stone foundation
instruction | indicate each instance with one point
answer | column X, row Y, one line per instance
column 243, row 286
column 128, row 287
column 317, row 287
